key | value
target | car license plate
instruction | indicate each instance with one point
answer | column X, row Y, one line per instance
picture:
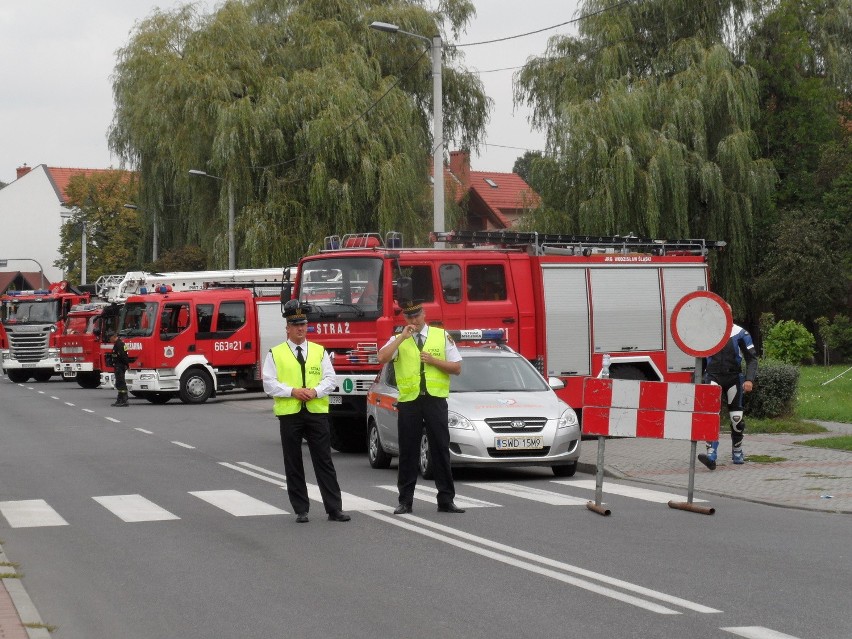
column 28, row 365
column 335, row 399
column 518, row 443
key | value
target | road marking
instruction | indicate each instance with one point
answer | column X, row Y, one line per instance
column 30, row 513
column 246, row 471
column 69, row 404
column 113, row 420
column 87, row 410
column 757, row 632
column 425, row 493
column 534, row 494
column 488, row 549
column 237, row 503
column 142, row 430
column 54, row 397
column 134, row 508
column 645, row 494
column 184, row 445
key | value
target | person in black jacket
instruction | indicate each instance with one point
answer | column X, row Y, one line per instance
column 121, row 362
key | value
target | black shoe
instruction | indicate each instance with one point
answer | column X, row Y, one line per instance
column 704, row 459
column 338, row 515
column 402, row 509
column 302, row 518
column 449, row 508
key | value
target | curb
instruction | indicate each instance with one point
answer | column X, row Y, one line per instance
column 24, row 606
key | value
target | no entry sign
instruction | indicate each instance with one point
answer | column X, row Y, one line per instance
column 701, row 323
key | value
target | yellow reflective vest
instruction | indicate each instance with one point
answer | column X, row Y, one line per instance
column 407, row 367
column 290, row 373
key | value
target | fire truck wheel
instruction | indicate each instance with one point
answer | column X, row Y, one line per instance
column 567, row 470
column 195, row 386
column 426, row 468
column 89, row 380
column 17, row 376
column 375, row 453
column 157, row 398
column 345, row 437
column 43, row 375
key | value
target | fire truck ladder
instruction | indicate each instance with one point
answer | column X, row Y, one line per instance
column 559, row 244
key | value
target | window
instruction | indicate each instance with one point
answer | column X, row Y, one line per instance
column 421, row 283
column 232, row 315
column 174, row 319
column 451, row 282
column 204, row 316
column 486, row 283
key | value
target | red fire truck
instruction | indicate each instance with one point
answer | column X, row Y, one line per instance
column 195, row 344
column 84, row 346
column 564, row 301
column 33, row 321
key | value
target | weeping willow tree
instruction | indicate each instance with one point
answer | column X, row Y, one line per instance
column 318, row 123
column 649, row 127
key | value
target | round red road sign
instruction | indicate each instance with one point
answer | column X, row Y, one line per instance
column 701, row 323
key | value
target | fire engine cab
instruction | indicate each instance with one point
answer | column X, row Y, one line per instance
column 563, row 301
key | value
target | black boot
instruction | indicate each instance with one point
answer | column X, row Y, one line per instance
column 121, row 402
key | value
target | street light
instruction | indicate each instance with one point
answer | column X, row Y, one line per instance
column 154, row 249
column 231, row 253
column 24, row 259
column 437, row 122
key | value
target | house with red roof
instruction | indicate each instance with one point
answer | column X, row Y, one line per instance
column 32, row 211
column 491, row 200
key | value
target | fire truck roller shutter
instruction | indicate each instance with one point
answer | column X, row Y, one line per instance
column 627, row 309
column 567, row 320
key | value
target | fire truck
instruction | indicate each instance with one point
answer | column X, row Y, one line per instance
column 86, row 343
column 195, row 344
column 33, row 321
column 563, row 301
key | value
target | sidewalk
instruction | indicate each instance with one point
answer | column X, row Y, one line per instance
column 16, row 608
column 809, row 478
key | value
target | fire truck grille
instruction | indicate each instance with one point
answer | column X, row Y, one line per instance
column 363, row 354
column 29, row 347
column 516, row 424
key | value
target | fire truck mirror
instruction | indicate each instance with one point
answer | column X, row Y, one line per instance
column 286, row 293
column 403, row 289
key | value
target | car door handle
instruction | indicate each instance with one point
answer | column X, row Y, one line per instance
column 508, row 320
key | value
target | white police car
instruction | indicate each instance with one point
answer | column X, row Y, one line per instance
column 501, row 412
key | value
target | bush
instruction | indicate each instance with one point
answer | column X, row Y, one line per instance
column 774, row 392
column 790, row 342
column 836, row 336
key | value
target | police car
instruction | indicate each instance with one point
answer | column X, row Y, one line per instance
column 501, row 412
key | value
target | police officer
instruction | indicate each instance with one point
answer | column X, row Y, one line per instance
column 121, row 362
column 298, row 375
column 423, row 357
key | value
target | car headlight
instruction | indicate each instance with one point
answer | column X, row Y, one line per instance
column 459, row 421
column 566, row 419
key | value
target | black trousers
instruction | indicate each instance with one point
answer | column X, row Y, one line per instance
column 732, row 395
column 120, row 384
column 429, row 413
column 312, row 427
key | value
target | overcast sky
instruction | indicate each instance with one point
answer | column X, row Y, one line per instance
column 57, row 57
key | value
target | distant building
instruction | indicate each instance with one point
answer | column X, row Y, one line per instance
column 32, row 211
column 21, row 281
column 491, row 200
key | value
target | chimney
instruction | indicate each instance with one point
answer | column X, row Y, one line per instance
column 460, row 166
column 23, row 170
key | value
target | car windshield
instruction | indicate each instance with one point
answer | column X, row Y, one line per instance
column 496, row 374
column 137, row 319
column 342, row 286
column 34, row 312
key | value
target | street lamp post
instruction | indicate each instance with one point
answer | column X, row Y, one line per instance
column 24, row 259
column 437, row 122
column 155, row 233
column 231, row 251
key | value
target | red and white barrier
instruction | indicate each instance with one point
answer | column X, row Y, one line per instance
column 660, row 410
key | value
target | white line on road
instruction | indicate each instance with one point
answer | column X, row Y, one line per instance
column 182, row 444
column 237, row 503
column 54, row 397
column 142, row 430
column 757, row 632
column 134, row 508
column 534, row 494
column 88, row 410
column 30, row 513
column 410, row 522
column 425, row 493
column 113, row 420
column 69, row 404
column 645, row 494
column 246, row 471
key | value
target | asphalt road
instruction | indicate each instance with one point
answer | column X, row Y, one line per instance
column 171, row 521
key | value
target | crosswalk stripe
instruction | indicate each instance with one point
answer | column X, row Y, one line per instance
column 757, row 632
column 534, row 494
column 30, row 513
column 350, row 501
column 134, row 508
column 644, row 494
column 425, row 493
column 237, row 503
column 246, row 471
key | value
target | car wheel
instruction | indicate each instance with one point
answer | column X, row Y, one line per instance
column 426, row 467
column 17, row 376
column 195, row 386
column 565, row 470
column 88, row 380
column 375, row 453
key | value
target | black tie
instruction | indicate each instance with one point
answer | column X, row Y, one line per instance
column 300, row 358
column 422, row 365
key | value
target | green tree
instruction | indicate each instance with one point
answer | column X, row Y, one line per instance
column 649, row 119
column 182, row 258
column 318, row 123
column 112, row 231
